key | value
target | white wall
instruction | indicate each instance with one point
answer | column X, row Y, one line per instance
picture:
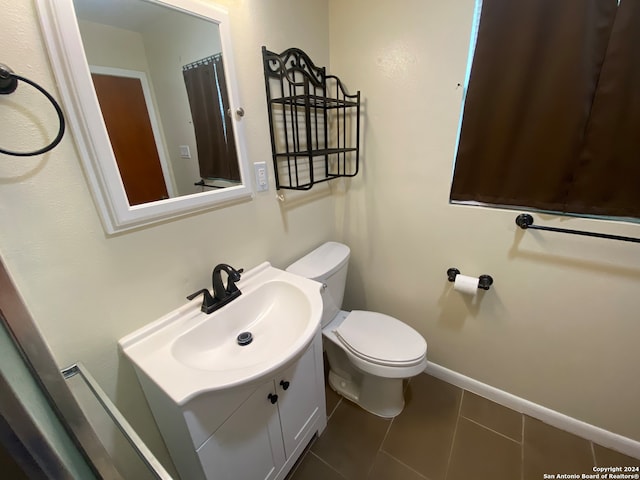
column 109, row 46
column 85, row 289
column 561, row 325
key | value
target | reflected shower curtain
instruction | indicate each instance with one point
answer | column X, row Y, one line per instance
column 209, row 103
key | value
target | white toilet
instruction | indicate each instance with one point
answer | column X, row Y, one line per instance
column 369, row 353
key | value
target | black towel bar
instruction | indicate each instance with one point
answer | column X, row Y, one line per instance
column 525, row 221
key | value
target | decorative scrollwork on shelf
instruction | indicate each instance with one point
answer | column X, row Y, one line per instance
column 293, row 61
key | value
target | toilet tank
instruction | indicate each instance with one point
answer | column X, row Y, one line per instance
column 328, row 265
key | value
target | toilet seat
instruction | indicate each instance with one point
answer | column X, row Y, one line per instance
column 381, row 339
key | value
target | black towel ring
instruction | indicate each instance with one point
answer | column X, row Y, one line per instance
column 8, row 84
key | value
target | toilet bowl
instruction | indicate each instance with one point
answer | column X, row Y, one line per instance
column 369, row 353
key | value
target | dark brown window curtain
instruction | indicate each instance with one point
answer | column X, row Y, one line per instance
column 552, row 113
column 209, row 103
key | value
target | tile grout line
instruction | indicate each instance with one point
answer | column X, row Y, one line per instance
column 381, row 449
column 455, row 433
column 327, row 464
column 404, row 465
column 334, row 409
column 490, row 429
column 309, row 452
column 386, row 434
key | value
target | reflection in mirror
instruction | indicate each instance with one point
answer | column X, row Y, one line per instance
column 150, row 91
column 206, row 89
column 159, row 78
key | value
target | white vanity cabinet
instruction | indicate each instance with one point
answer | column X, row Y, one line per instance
column 270, row 429
column 250, row 432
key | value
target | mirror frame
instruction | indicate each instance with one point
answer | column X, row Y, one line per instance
column 68, row 60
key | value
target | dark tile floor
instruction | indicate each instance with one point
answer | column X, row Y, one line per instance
column 445, row 433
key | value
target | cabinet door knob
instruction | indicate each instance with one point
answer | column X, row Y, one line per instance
column 272, row 397
column 284, row 384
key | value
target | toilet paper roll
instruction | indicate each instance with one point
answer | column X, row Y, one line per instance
column 466, row 285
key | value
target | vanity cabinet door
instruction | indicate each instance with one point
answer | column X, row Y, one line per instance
column 248, row 445
column 298, row 402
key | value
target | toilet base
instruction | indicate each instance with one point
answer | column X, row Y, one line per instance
column 377, row 389
column 380, row 396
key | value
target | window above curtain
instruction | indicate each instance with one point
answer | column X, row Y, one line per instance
column 551, row 118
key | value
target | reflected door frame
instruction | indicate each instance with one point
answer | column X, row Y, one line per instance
column 153, row 117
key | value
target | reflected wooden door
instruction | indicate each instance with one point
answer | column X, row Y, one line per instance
column 127, row 120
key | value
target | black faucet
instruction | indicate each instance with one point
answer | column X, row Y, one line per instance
column 221, row 294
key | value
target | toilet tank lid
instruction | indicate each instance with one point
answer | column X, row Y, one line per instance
column 321, row 262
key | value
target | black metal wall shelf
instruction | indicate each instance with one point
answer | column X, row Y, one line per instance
column 314, row 123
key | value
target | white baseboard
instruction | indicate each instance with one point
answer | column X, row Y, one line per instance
column 597, row 435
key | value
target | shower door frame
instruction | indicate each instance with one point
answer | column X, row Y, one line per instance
column 37, row 356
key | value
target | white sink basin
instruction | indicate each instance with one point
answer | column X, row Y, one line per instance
column 276, row 314
column 188, row 352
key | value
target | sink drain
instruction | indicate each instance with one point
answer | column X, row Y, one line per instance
column 245, row 338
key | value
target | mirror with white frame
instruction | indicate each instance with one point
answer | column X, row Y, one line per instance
column 151, row 49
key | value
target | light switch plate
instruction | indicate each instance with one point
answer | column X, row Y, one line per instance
column 184, row 151
column 262, row 181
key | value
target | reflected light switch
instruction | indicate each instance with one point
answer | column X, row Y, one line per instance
column 184, row 151
column 262, row 183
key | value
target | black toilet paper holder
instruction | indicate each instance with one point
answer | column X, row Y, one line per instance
column 484, row 281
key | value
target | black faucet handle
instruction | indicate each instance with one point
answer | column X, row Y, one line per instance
column 235, row 274
column 208, row 301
